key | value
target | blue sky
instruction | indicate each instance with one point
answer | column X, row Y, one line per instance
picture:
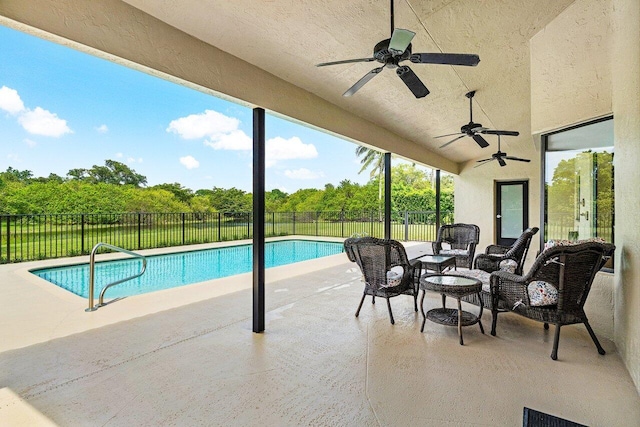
column 61, row 109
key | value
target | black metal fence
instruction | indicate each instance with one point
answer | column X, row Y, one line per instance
column 34, row 237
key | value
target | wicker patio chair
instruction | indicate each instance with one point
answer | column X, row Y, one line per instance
column 567, row 270
column 376, row 258
column 490, row 260
column 462, row 240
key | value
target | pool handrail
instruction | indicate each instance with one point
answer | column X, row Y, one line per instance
column 92, row 265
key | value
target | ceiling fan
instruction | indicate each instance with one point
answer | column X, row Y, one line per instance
column 500, row 157
column 391, row 52
column 475, row 129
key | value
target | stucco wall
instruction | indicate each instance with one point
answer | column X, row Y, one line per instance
column 626, row 109
column 567, row 89
column 571, row 67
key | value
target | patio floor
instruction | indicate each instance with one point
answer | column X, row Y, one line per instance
column 200, row 364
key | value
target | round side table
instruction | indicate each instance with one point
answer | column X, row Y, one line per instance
column 455, row 287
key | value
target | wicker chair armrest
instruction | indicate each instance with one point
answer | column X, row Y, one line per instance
column 416, row 264
column 488, row 263
column 496, row 250
column 510, row 287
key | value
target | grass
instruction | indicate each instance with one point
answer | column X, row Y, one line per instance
column 27, row 242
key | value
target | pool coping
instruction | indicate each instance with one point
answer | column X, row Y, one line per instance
column 34, row 310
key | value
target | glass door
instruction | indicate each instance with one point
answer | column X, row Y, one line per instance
column 512, row 211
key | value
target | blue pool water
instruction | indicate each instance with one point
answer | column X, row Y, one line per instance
column 179, row 269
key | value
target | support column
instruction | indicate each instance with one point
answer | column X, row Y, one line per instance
column 387, row 195
column 258, row 218
column 438, row 214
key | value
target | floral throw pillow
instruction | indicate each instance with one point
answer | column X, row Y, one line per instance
column 552, row 243
column 508, row 265
column 542, row 293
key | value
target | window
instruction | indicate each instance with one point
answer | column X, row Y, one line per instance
column 578, row 182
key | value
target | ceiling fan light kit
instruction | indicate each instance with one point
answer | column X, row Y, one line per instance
column 391, row 52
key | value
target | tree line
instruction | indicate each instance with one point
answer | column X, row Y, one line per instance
column 115, row 188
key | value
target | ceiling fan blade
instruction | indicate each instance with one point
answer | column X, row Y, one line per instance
column 470, row 60
column 452, row 141
column 346, row 61
column 371, row 74
column 400, row 40
column 483, row 162
column 480, row 140
column 501, row 161
column 500, row 132
column 449, row 134
column 412, row 81
column 517, row 159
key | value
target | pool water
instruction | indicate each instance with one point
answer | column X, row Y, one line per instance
column 184, row 268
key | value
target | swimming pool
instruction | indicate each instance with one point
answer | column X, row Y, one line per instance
column 183, row 268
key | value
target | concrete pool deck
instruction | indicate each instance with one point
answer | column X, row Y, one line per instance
column 40, row 311
column 187, row 356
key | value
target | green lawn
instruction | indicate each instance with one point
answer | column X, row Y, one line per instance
column 42, row 239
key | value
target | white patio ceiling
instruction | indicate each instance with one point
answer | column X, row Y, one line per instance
column 288, row 37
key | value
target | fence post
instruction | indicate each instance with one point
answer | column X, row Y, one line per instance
column 406, row 226
column 317, row 217
column 182, row 215
column 248, row 225
column 8, row 238
column 219, row 226
column 139, row 230
column 273, row 223
column 294, row 223
column 82, row 233
column 342, row 223
column 371, row 222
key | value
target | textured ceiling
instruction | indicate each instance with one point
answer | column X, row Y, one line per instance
column 288, row 37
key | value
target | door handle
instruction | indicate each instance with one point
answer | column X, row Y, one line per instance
column 498, row 216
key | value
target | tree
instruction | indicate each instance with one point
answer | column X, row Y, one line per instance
column 375, row 160
column 12, row 174
column 182, row 193
column 408, row 175
column 230, row 200
column 111, row 173
column 274, row 199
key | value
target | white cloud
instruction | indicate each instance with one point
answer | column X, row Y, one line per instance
column 189, row 162
column 13, row 157
column 287, row 149
column 43, row 122
column 102, row 129
column 209, row 124
column 119, row 155
column 302, row 173
column 30, row 143
column 222, row 132
column 235, row 140
column 10, row 100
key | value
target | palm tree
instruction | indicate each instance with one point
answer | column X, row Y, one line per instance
column 375, row 160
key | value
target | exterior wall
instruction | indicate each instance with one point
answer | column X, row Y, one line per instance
column 626, row 109
column 567, row 89
column 571, row 67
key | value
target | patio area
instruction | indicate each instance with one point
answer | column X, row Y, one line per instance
column 195, row 360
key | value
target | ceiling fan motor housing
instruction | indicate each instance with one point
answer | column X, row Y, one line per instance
column 382, row 53
column 470, row 128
